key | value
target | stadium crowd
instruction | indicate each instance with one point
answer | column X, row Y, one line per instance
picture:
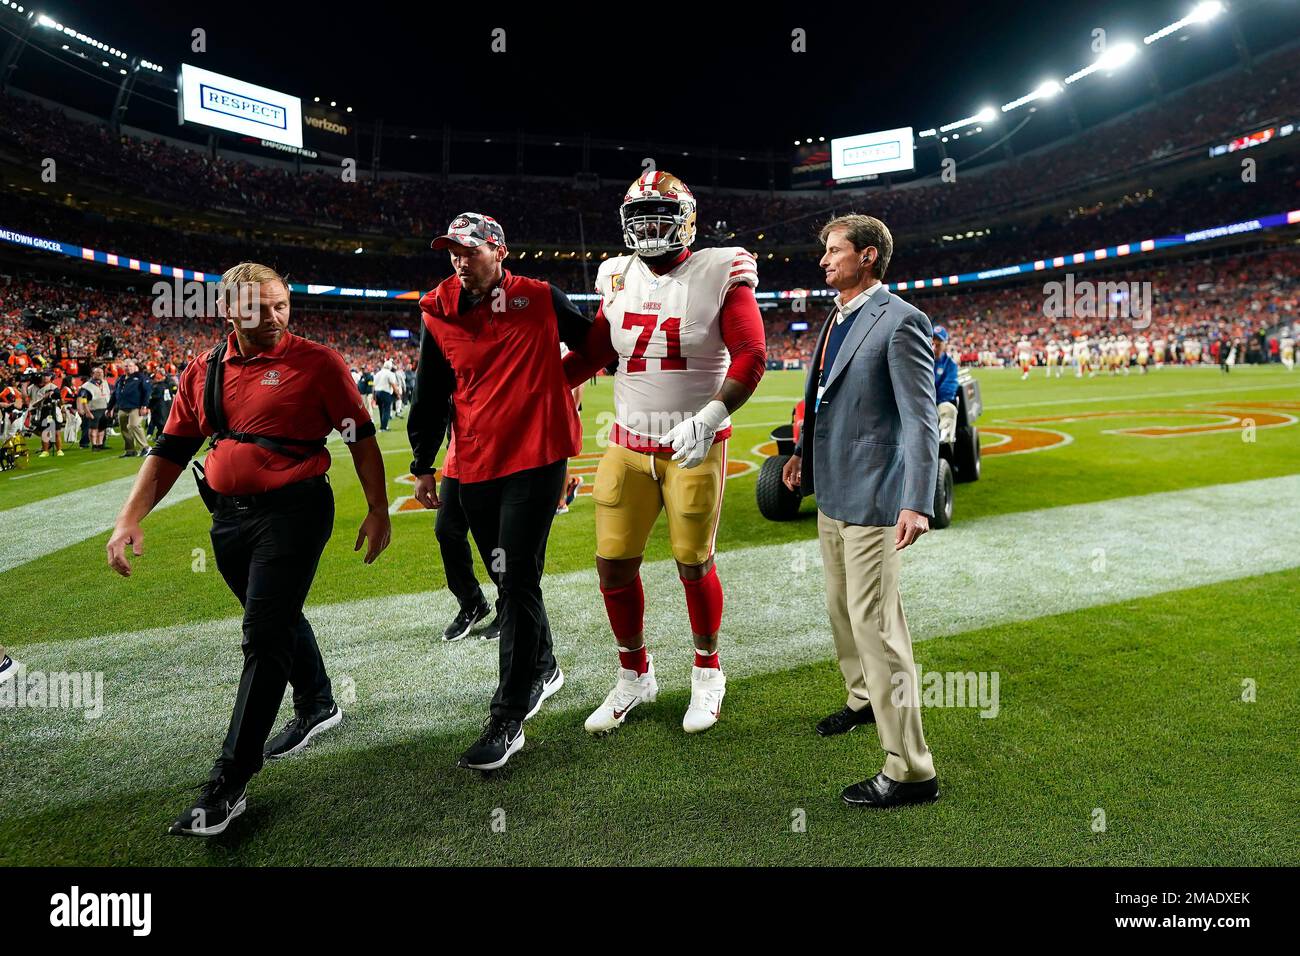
column 412, row 206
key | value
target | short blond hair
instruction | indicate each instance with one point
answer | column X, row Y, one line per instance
column 241, row 275
column 863, row 231
column 237, row 275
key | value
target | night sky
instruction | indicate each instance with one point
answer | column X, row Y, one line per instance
column 674, row 72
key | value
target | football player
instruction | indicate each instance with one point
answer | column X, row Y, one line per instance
column 685, row 329
column 1025, row 356
column 1287, row 346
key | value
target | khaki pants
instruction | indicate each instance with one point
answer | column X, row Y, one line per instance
column 872, row 640
column 128, row 423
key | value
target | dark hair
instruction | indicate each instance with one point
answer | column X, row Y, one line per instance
column 863, row 231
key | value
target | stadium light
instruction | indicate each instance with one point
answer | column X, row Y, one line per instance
column 1116, row 56
column 983, row 116
column 1201, row 13
column 1045, row 90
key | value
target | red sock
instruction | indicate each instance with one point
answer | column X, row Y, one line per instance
column 626, row 609
column 704, row 603
column 706, row 660
column 634, row 660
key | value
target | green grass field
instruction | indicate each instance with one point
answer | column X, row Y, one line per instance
column 1135, row 596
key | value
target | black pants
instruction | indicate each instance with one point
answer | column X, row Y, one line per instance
column 452, row 530
column 268, row 556
column 385, row 402
column 158, row 418
column 516, row 512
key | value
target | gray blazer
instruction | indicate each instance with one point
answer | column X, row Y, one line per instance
column 875, row 439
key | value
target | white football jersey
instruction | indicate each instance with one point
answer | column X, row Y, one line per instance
column 667, row 331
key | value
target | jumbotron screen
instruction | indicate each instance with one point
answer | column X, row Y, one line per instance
column 225, row 103
column 872, row 154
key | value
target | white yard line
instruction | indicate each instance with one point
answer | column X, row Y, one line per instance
column 33, row 530
column 168, row 690
column 1142, row 396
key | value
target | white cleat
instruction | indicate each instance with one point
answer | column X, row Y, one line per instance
column 708, row 687
column 627, row 693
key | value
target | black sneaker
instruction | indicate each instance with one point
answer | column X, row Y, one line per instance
column 127, row 454
column 501, row 739
column 466, row 619
column 8, row 667
column 842, row 721
column 298, row 732
column 493, row 630
column 544, row 685
column 219, row 802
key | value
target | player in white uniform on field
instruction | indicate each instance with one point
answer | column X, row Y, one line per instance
column 1123, row 348
column 1143, row 353
column 1192, row 351
column 1287, row 348
column 1024, row 356
column 688, row 336
column 1053, row 357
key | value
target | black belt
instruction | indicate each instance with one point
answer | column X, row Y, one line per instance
column 277, row 496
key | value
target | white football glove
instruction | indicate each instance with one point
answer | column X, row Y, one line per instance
column 692, row 439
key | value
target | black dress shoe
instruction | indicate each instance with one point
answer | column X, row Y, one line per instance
column 842, row 721
column 884, row 793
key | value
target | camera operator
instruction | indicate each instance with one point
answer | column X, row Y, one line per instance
column 47, row 415
column 11, row 407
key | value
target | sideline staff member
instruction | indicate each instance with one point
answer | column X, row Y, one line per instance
column 272, row 513
column 491, row 342
column 869, row 415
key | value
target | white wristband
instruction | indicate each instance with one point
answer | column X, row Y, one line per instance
column 713, row 414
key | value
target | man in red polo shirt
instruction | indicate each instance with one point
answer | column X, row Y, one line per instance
column 265, row 482
column 491, row 343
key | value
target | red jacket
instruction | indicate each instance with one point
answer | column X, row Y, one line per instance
column 510, row 402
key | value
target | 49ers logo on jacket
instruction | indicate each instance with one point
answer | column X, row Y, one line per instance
column 272, row 377
column 519, row 302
